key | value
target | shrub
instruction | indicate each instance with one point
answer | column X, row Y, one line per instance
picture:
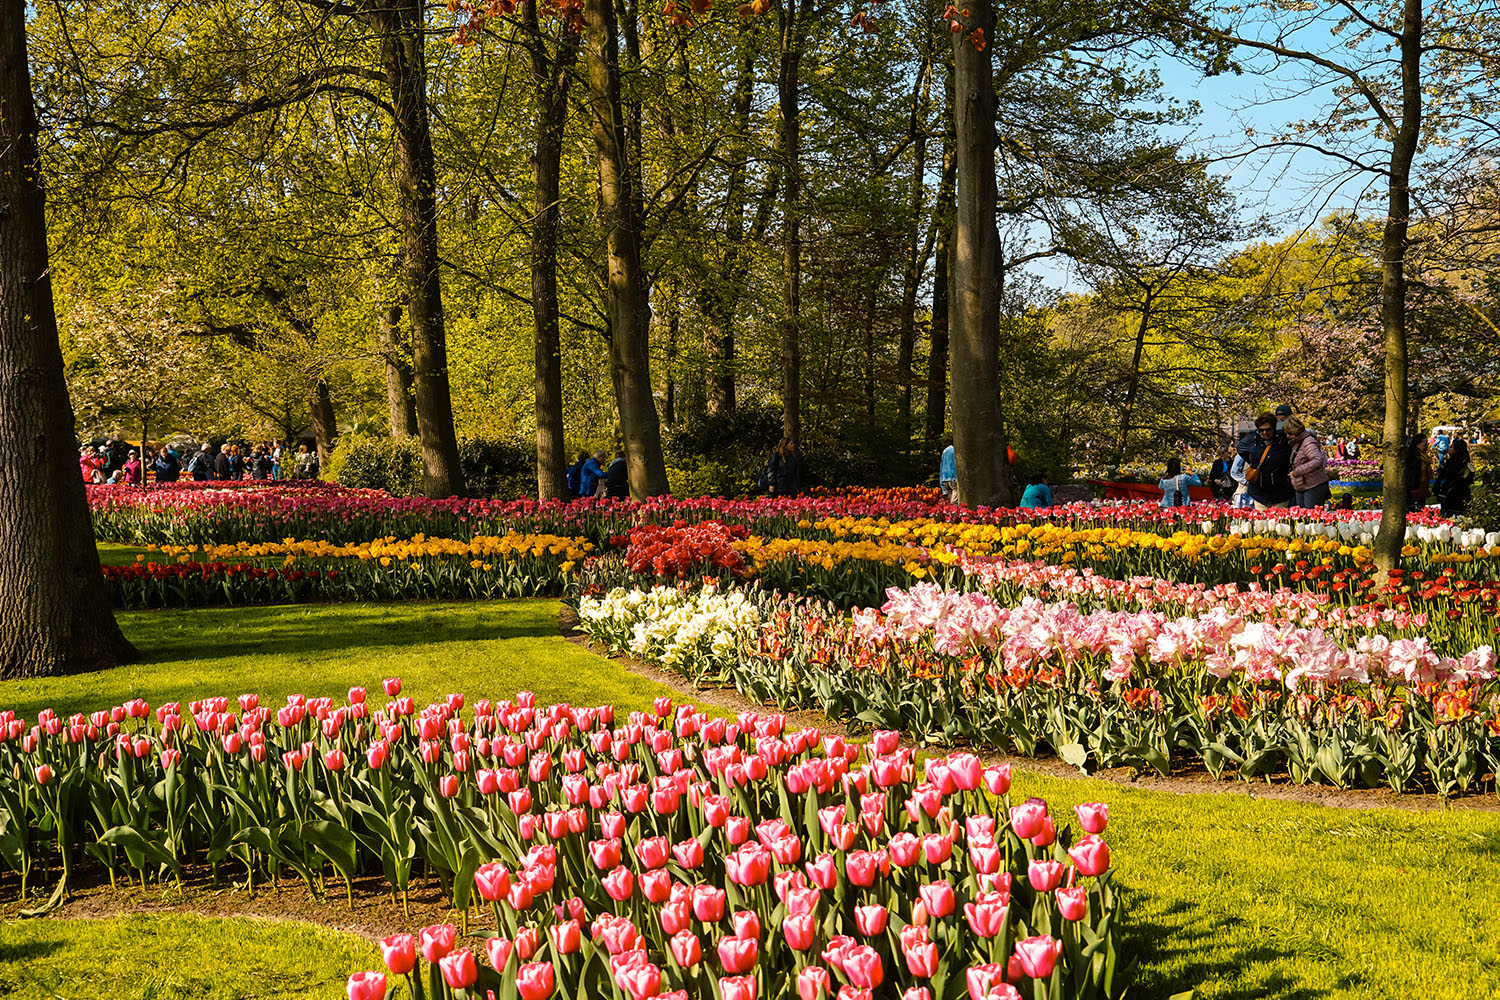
column 492, row 467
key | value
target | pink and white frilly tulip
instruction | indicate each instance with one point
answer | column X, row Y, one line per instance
column 1037, row 956
column 737, row 988
column 689, row 853
column 863, row 966
column 738, row 955
column 459, row 970
column 535, row 981
column 997, row 779
column 686, row 949
column 499, row 950
column 814, row 983
column 399, row 952
column 1092, row 816
column 366, row 986
column 870, row 920
column 1090, row 855
column 492, row 882
column 937, row 897
column 527, row 942
column 708, row 903
column 800, row 930
column 436, row 941
column 1073, row 902
column 746, row 924
column 391, row 686
column 1026, row 818
column 1045, row 876
column 656, row 885
column 986, row 916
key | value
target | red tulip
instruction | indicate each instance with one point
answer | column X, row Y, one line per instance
column 620, row 884
column 687, row 950
column 937, row 898
column 459, row 971
column 1090, row 855
column 863, row 967
column 746, row 924
column 535, row 981
column 800, row 930
column 399, row 952
column 870, row 920
column 813, row 983
column 366, row 986
column 1073, row 902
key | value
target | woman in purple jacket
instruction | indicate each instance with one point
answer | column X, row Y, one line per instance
column 1309, row 466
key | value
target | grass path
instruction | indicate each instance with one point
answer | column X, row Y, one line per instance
column 1236, row 897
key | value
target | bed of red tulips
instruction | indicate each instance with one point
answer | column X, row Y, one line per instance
column 667, row 854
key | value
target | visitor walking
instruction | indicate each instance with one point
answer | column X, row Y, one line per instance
column 167, row 465
column 276, row 460
column 304, row 462
column 201, row 465
column 948, row 473
column 1038, row 493
column 783, row 475
column 221, row 464
column 592, row 475
column 1418, row 472
column 1440, row 445
column 1267, row 464
column 1220, row 480
column 574, row 472
column 1175, row 484
column 1455, row 480
column 131, row 470
column 1309, row 466
column 617, row 478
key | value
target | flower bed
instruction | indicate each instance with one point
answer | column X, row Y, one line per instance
column 673, row 852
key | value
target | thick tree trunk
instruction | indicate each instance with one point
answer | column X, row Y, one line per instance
column 551, row 78
column 625, row 291
column 325, row 425
column 978, row 435
column 788, row 83
column 719, row 307
column 401, row 24
column 937, row 355
column 917, row 253
column 1392, row 535
column 55, row 616
column 397, row 358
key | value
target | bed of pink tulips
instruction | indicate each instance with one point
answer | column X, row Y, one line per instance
column 665, row 854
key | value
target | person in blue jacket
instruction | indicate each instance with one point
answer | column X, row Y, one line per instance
column 1038, row 493
column 588, row 478
column 575, row 473
column 948, row 473
column 1175, row 486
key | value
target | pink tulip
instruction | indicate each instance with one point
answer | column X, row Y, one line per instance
column 814, row 983
column 746, row 924
column 822, row 872
column 738, row 955
column 366, row 986
column 656, row 885
column 499, row 950
column 459, row 970
column 863, row 967
column 967, row 771
column 689, row 854
column 43, row 774
column 800, row 930
column 1026, row 818
column 652, row 852
column 1038, row 955
column 642, row 980
column 675, row 916
column 493, row 882
column 1092, row 816
column 1045, row 876
column 391, row 686
column 436, row 941
column 937, row 849
column 997, row 779
column 983, row 979
column 986, row 919
column 535, row 981
column 567, row 937
column 605, row 854
column 399, row 952
column 376, row 755
column 620, row 884
column 921, row 959
column 687, row 950
column 708, row 903
column 870, row 920
column 527, row 942
column 1090, row 855
column 916, row 993
column 737, row 988
column 334, row 760
column 1047, row 834
column 937, row 898
column 904, row 849
column 1073, row 902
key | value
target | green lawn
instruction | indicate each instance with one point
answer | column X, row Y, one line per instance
column 1233, row 896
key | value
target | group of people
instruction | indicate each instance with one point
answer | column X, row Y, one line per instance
column 116, row 462
column 589, row 476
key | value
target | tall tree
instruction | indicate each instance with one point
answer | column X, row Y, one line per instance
column 55, row 616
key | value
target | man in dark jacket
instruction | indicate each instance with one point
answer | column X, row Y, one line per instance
column 166, row 465
column 221, row 463
column 201, row 465
column 617, row 478
column 1268, row 464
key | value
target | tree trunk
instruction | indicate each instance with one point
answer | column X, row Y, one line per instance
column 55, row 616
column 937, row 357
column 788, row 82
column 551, row 78
column 1392, row 535
column 325, row 426
column 397, row 357
column 719, row 307
column 400, row 24
column 978, row 436
column 625, row 291
column 674, row 328
column 1133, row 388
column 916, row 258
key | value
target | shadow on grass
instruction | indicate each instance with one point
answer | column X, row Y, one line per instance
column 29, row 951
column 217, row 633
column 1184, row 947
